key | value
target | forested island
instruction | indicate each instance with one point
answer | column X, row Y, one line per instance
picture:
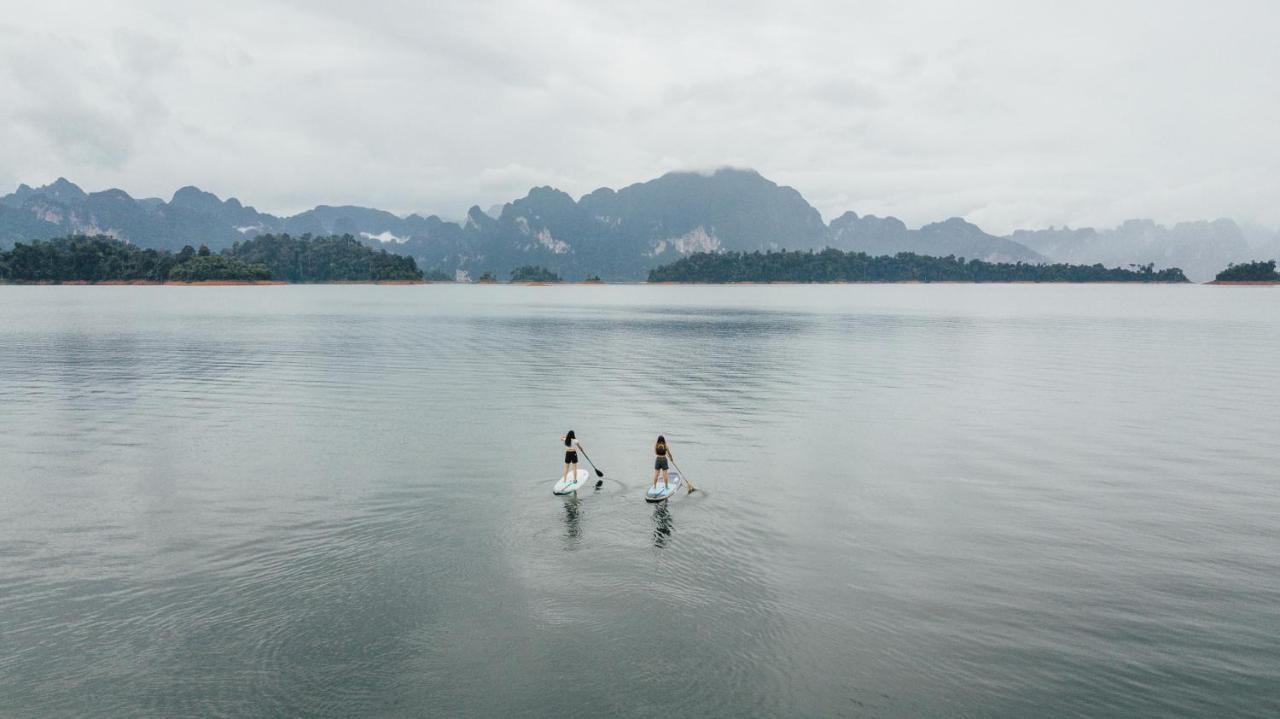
column 1250, row 273
column 333, row 258
column 837, row 266
column 94, row 259
column 343, row 258
column 533, row 273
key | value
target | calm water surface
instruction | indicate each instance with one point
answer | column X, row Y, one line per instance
column 937, row 501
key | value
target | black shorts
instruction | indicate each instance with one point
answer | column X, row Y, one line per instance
column 570, row 457
column 660, row 463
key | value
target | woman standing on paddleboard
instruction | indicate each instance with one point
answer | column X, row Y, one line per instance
column 571, row 446
column 661, row 453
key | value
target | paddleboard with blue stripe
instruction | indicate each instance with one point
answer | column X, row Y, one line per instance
column 659, row 493
column 572, row 483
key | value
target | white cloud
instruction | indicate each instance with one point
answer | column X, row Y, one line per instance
column 1010, row 114
column 384, row 236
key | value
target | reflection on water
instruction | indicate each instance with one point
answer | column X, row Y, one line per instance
column 913, row 501
column 573, row 516
column 663, row 525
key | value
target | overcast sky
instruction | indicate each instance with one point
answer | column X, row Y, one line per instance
column 1011, row 114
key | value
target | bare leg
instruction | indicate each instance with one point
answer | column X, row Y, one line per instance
column 573, row 470
column 664, row 479
column 655, row 476
column 565, row 476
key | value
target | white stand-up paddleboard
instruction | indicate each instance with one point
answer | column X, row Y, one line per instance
column 572, row 483
column 659, row 493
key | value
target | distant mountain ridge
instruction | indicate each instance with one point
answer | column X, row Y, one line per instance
column 1201, row 249
column 889, row 236
column 616, row 234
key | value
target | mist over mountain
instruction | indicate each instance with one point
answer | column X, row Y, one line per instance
column 1201, row 249
column 617, row 234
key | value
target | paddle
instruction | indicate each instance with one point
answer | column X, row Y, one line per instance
column 599, row 482
column 692, row 488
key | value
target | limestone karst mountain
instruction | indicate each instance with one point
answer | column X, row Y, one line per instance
column 615, row 234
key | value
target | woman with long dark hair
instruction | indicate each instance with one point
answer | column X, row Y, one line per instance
column 571, row 446
column 661, row 454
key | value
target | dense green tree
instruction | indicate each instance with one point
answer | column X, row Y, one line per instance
column 304, row 259
column 203, row 268
column 324, row 259
column 533, row 273
column 81, row 258
column 1250, row 272
column 836, row 266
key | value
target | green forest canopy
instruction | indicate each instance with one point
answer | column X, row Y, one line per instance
column 210, row 267
column 334, row 258
column 80, row 258
column 1250, row 272
column 532, row 273
column 837, row 266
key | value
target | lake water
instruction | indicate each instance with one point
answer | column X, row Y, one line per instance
column 917, row 501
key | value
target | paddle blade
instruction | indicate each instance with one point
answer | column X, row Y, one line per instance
column 599, row 473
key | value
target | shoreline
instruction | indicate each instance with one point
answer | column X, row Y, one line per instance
column 264, row 283
column 205, row 283
column 917, row 282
